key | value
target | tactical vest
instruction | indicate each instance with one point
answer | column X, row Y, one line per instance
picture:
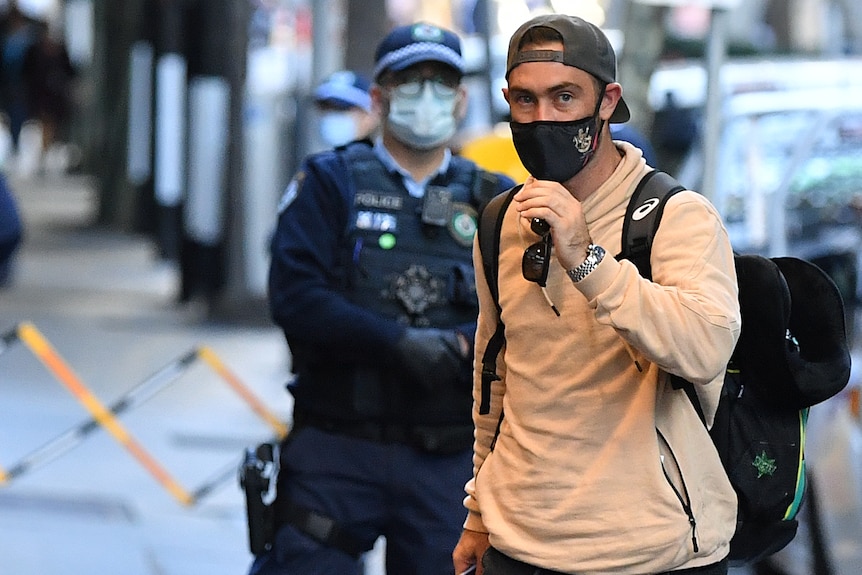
column 410, row 261
column 411, row 258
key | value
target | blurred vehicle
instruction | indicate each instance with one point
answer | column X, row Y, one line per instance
column 789, row 178
column 685, row 80
column 678, row 88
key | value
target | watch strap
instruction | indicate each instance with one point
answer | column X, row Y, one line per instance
column 595, row 254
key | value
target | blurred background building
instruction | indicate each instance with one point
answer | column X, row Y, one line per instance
column 193, row 114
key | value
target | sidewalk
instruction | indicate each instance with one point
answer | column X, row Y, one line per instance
column 106, row 304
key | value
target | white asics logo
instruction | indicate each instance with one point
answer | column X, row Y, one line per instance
column 645, row 208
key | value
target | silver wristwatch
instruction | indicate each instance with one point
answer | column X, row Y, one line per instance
column 595, row 254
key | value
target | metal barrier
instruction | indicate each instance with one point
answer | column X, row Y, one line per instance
column 105, row 416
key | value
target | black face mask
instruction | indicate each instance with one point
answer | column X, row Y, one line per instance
column 556, row 151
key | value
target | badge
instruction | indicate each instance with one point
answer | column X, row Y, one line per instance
column 463, row 223
column 437, row 207
column 416, row 289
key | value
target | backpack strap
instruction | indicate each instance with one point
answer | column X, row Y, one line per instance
column 643, row 216
column 485, row 186
column 490, row 224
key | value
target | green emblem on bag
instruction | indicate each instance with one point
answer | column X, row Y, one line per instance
column 764, row 465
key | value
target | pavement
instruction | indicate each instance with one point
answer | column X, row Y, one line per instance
column 97, row 499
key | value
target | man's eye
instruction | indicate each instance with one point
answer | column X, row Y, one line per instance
column 565, row 98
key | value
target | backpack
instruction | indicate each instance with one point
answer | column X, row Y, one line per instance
column 792, row 353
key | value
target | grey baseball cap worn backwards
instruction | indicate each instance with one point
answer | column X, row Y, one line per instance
column 585, row 47
column 406, row 46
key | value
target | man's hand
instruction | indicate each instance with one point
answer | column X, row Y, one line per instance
column 556, row 205
column 469, row 551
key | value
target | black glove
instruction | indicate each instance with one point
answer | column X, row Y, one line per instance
column 431, row 357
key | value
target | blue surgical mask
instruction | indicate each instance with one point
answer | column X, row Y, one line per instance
column 338, row 128
column 422, row 114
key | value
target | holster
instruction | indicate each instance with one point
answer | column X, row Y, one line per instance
column 257, row 477
column 266, row 512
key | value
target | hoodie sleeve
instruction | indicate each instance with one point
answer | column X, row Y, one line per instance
column 686, row 320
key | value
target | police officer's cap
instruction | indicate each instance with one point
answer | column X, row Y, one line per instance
column 406, row 46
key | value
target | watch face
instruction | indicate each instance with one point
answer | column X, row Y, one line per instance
column 594, row 257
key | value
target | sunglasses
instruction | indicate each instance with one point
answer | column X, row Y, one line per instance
column 537, row 258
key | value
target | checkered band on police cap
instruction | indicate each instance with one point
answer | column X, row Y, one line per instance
column 421, row 42
column 585, row 47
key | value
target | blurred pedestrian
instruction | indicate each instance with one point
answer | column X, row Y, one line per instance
column 345, row 113
column 17, row 34
column 629, row 133
column 11, row 230
column 372, row 283
column 49, row 76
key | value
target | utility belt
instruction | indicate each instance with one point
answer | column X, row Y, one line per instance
column 442, row 439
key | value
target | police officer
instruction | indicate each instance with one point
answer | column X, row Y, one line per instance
column 372, row 282
column 344, row 110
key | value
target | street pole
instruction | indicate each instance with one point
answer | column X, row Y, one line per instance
column 642, row 46
column 139, row 122
column 715, row 55
column 170, row 127
column 202, row 265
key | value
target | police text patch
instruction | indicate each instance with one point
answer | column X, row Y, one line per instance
column 375, row 201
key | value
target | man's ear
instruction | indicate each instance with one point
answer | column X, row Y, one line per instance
column 378, row 102
column 461, row 103
column 613, row 94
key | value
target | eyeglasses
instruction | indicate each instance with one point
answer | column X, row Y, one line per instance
column 414, row 88
column 537, row 258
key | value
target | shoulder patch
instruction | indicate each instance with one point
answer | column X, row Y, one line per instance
column 291, row 192
column 463, row 223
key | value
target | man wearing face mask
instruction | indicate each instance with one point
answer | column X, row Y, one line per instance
column 372, row 283
column 344, row 109
column 587, row 459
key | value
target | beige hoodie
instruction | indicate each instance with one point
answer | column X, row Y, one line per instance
column 595, row 456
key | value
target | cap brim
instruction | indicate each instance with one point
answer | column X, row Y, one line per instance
column 621, row 113
column 822, row 367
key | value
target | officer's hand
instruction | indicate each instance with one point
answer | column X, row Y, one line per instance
column 432, row 357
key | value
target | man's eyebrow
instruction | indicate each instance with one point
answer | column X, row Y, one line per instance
column 565, row 85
